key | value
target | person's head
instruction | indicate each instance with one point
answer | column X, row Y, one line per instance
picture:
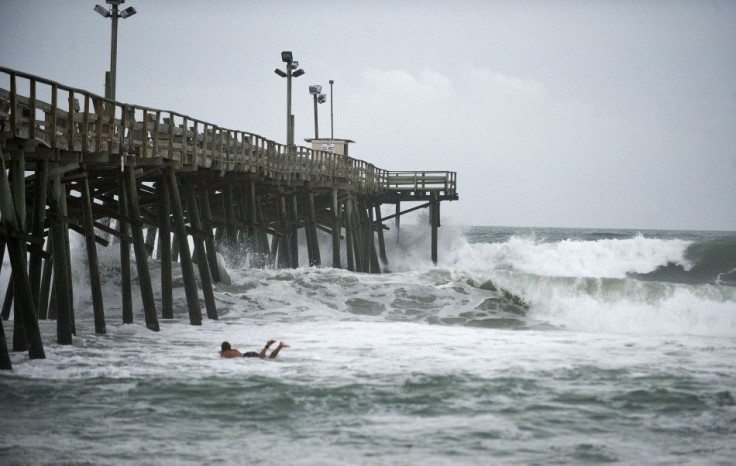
column 225, row 346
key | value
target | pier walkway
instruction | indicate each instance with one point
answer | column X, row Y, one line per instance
column 132, row 175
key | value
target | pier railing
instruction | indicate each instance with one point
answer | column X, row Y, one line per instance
column 75, row 120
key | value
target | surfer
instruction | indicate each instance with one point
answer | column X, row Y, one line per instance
column 228, row 351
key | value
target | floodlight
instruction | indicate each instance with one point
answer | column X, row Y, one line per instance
column 294, row 65
column 316, row 89
column 130, row 11
column 279, row 72
column 321, row 99
column 286, row 56
column 115, row 2
column 298, row 73
column 102, row 10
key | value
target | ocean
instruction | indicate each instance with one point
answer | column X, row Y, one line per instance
column 521, row 346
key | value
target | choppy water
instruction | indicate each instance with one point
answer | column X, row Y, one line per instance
column 521, row 346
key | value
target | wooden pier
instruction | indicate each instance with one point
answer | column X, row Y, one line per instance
column 72, row 160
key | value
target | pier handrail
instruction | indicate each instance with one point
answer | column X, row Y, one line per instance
column 78, row 120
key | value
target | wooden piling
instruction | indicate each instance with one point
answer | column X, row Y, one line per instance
column 434, row 218
column 206, row 222
column 293, row 218
column 375, row 266
column 201, row 254
column 349, row 233
column 381, row 243
column 125, row 278
column 164, row 246
column 37, row 229
column 259, row 242
column 92, row 262
column 8, row 301
column 58, row 249
column 335, row 210
column 315, row 259
column 45, row 291
column 187, row 269
column 18, row 186
column 139, row 247
column 5, row 363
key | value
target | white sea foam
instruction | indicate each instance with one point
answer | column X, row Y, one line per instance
column 570, row 258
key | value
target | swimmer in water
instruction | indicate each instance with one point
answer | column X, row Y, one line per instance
column 229, row 352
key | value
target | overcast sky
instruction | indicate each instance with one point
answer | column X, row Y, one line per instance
column 558, row 113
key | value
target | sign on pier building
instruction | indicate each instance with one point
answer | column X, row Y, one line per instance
column 335, row 146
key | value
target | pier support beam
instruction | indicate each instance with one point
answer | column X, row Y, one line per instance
column 37, row 229
column 315, row 259
column 200, row 254
column 335, row 229
column 434, row 219
column 25, row 310
column 164, row 247
column 18, row 185
column 381, row 242
column 92, row 263
column 206, row 221
column 187, row 269
column 58, row 248
column 127, row 293
column 141, row 255
column 349, row 233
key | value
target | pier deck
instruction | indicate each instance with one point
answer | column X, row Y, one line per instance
column 72, row 160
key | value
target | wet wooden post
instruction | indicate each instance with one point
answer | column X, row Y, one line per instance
column 366, row 236
column 260, row 242
column 68, row 249
column 164, row 246
column 335, row 229
column 150, row 240
column 316, row 259
column 5, row 363
column 354, row 234
column 204, row 196
column 174, row 241
column 127, row 292
column 37, row 229
column 294, row 236
column 187, row 269
column 246, row 220
column 229, row 210
column 94, row 271
column 375, row 266
column 8, row 301
column 434, row 218
column 2, row 252
column 200, row 254
column 248, row 229
column 269, row 255
column 46, row 283
column 348, row 222
column 284, row 249
column 58, row 248
column 363, row 247
column 381, row 241
column 18, row 186
column 139, row 247
column 397, row 221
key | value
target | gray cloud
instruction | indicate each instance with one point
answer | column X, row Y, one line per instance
column 591, row 114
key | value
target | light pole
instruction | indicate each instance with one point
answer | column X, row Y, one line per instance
column 114, row 14
column 292, row 70
column 318, row 99
column 332, row 124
